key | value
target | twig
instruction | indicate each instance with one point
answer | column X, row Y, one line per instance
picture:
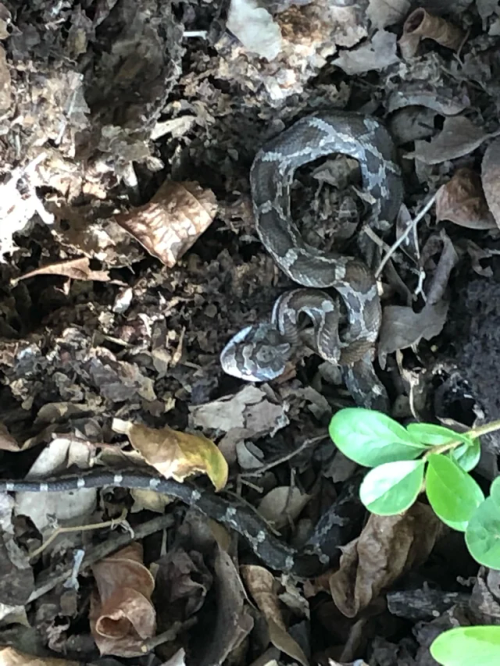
column 78, row 528
column 286, row 457
column 169, row 635
column 411, row 227
column 103, row 550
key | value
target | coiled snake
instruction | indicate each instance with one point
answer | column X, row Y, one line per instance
column 260, row 352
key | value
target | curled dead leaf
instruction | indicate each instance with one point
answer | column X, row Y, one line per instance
column 176, row 454
column 260, row 582
column 387, row 547
column 76, row 269
column 422, row 25
column 172, row 221
column 283, row 504
column 121, row 613
column 490, row 175
column 462, row 201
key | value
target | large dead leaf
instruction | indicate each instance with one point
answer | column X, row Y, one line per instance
column 176, row 454
column 261, row 585
column 7, row 442
column 387, row 547
column 490, row 175
column 422, row 25
column 383, row 13
column 172, row 221
column 402, row 327
column 9, row 656
column 463, row 201
column 122, row 616
column 458, row 137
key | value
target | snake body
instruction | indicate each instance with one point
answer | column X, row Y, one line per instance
column 335, row 528
column 259, row 353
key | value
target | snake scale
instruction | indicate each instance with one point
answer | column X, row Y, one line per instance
column 259, row 353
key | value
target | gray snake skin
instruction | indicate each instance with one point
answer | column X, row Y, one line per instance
column 260, row 352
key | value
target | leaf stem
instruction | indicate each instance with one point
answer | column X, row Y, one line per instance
column 484, row 429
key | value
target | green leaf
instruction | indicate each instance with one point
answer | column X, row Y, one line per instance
column 495, row 490
column 371, row 438
column 467, row 646
column 467, row 455
column 436, row 435
column 482, row 535
column 452, row 493
column 392, row 487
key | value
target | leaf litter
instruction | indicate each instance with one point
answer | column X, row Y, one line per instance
column 128, row 257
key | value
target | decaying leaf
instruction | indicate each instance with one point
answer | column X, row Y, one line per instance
column 387, row 547
column 121, row 613
column 9, row 656
column 172, row 221
column 282, row 505
column 5, row 83
column 463, row 202
column 7, row 442
column 490, row 175
column 402, row 327
column 458, row 137
column 260, row 583
column 253, row 25
column 252, row 412
column 76, row 269
column 422, row 25
column 383, row 13
column 176, row 454
column 379, row 53
column 44, row 508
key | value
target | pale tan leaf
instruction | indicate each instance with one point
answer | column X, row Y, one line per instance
column 76, row 269
column 422, row 25
column 260, row 583
column 377, row 54
column 253, row 25
column 172, row 221
column 9, row 656
column 121, row 614
column 7, row 442
column 383, row 13
column 458, row 137
column 490, row 175
column 282, row 505
column 387, row 547
column 462, row 201
column 176, row 454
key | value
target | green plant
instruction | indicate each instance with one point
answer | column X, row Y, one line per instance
column 423, row 457
column 464, row 646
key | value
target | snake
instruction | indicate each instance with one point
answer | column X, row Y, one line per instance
column 340, row 524
column 261, row 351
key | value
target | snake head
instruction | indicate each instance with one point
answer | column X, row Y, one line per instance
column 256, row 354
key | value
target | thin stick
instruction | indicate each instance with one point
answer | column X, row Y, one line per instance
column 411, row 227
column 78, row 528
column 286, row 457
column 113, row 544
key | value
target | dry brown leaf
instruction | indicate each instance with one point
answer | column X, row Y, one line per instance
column 9, row 656
column 383, row 13
column 76, row 269
column 463, row 202
column 458, row 137
column 122, row 616
column 378, row 53
column 387, row 547
column 7, row 442
column 282, row 505
column 422, row 25
column 260, row 582
column 490, row 175
column 5, row 83
column 172, row 221
column 402, row 327
column 176, row 454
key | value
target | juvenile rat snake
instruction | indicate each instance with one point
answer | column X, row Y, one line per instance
column 260, row 352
